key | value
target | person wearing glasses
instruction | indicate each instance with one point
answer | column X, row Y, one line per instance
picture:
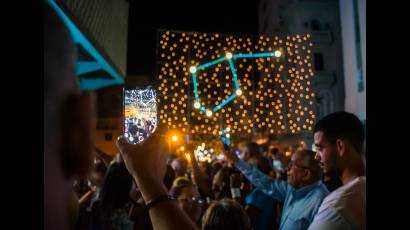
column 301, row 194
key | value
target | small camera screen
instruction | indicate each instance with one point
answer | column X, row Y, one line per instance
column 140, row 114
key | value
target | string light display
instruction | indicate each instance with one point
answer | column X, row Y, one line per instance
column 209, row 82
column 238, row 91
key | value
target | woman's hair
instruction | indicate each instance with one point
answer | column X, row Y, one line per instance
column 225, row 214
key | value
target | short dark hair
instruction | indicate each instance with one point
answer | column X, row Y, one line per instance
column 342, row 125
column 225, row 214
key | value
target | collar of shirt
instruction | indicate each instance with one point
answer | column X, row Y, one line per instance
column 305, row 189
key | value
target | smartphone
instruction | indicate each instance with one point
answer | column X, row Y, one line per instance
column 140, row 113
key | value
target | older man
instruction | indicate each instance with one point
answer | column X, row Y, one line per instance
column 301, row 195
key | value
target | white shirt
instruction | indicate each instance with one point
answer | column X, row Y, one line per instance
column 344, row 208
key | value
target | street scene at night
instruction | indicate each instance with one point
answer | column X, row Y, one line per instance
column 205, row 115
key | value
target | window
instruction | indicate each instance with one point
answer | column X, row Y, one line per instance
column 319, row 63
column 316, row 25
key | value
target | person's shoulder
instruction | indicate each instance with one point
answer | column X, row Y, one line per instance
column 320, row 190
column 354, row 188
column 352, row 192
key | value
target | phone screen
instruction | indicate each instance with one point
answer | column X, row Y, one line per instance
column 140, row 113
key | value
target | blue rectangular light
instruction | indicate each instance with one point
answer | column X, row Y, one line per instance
column 195, row 86
column 211, row 63
column 235, row 79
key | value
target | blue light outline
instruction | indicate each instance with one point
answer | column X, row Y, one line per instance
column 195, row 87
column 79, row 37
column 206, row 65
column 235, row 78
column 202, row 109
column 257, row 55
column 87, row 66
column 233, row 96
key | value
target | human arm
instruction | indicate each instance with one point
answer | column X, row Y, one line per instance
column 330, row 218
column 202, row 180
column 274, row 188
column 146, row 163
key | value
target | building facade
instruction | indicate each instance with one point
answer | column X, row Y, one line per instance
column 320, row 19
column 353, row 24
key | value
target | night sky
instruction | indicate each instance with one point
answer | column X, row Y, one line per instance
column 223, row 16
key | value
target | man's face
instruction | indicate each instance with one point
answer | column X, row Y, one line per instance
column 296, row 171
column 327, row 155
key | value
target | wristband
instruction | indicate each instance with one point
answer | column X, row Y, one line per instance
column 159, row 199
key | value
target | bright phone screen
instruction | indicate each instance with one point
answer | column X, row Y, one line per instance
column 140, row 114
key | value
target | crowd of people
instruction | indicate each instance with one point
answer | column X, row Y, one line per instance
column 145, row 187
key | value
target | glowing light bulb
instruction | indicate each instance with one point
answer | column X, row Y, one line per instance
column 197, row 105
column 209, row 113
column 228, row 135
column 238, row 92
column 174, row 138
column 228, row 129
column 229, row 55
column 192, row 69
column 277, row 53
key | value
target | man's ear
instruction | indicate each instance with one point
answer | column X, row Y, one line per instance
column 307, row 174
column 341, row 147
column 79, row 122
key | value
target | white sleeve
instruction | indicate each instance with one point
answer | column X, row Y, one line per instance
column 329, row 218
